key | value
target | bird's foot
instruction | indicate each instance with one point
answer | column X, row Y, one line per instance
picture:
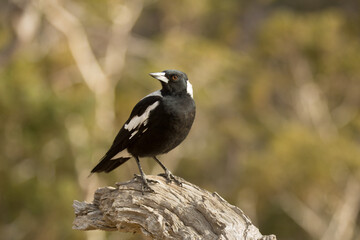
column 170, row 178
column 146, row 188
column 145, row 183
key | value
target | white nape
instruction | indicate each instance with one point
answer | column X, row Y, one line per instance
column 138, row 120
column 189, row 88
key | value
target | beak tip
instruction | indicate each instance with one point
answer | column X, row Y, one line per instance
column 154, row 74
column 159, row 76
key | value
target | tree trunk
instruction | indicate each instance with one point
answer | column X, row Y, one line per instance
column 172, row 212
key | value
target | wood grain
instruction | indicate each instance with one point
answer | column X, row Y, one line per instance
column 172, row 212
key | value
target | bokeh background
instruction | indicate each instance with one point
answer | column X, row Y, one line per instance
column 277, row 87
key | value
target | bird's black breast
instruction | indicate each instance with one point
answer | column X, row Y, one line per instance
column 169, row 124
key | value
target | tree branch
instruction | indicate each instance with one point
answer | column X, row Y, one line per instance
column 172, row 212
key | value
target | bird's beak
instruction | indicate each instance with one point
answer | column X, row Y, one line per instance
column 160, row 76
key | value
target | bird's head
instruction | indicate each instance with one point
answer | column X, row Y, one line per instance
column 173, row 82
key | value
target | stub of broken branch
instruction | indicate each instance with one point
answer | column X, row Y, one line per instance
column 172, row 212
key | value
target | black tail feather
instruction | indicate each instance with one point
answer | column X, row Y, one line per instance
column 107, row 165
column 111, row 166
column 117, row 162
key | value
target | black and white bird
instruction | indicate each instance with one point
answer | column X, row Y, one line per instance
column 157, row 124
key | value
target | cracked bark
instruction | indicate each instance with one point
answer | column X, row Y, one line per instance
column 172, row 212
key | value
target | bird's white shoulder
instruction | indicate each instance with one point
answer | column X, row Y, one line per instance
column 153, row 94
column 136, row 120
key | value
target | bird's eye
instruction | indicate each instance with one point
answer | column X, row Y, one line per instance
column 174, row 77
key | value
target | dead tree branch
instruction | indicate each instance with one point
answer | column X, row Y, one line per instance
column 172, row 212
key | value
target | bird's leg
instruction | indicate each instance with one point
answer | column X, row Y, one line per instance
column 168, row 175
column 145, row 184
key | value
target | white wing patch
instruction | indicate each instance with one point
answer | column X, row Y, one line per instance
column 124, row 153
column 189, row 89
column 133, row 134
column 156, row 93
column 136, row 121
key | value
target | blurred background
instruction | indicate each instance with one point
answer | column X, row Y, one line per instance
column 277, row 87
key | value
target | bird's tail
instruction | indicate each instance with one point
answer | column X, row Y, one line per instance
column 107, row 165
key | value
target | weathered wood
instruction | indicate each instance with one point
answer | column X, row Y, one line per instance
column 172, row 212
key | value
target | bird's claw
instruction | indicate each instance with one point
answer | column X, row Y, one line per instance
column 170, row 178
column 138, row 177
column 145, row 184
column 146, row 188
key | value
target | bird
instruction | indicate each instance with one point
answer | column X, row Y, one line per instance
column 158, row 123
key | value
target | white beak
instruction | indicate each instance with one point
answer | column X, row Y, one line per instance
column 160, row 76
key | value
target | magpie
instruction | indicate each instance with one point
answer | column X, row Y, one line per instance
column 157, row 124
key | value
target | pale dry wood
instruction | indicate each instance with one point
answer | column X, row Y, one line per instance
column 172, row 212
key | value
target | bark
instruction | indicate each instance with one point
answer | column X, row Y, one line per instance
column 172, row 212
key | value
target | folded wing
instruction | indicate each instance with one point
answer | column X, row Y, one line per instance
column 132, row 129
